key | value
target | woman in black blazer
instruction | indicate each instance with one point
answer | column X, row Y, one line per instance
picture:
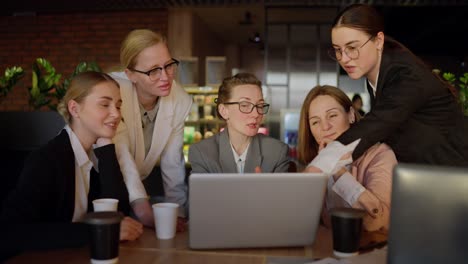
column 412, row 110
column 60, row 180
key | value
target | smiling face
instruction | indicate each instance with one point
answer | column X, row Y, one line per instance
column 149, row 58
column 238, row 122
column 328, row 119
column 98, row 115
column 368, row 62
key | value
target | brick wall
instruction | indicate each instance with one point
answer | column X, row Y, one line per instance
column 65, row 40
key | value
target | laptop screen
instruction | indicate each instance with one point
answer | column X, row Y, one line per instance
column 429, row 215
column 254, row 209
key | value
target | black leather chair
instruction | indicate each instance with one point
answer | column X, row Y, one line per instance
column 21, row 133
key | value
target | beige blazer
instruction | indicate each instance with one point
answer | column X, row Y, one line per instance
column 167, row 143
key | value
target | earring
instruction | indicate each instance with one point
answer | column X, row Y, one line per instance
column 352, row 122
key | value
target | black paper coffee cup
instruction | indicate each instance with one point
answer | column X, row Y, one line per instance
column 104, row 234
column 347, row 228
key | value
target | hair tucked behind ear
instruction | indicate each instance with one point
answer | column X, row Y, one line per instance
column 80, row 86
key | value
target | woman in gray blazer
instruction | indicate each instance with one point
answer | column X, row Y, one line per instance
column 239, row 148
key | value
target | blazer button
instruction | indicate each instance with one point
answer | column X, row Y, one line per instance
column 375, row 211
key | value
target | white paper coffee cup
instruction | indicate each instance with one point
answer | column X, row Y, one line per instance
column 105, row 204
column 165, row 218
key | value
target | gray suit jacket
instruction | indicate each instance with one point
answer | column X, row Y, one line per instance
column 214, row 155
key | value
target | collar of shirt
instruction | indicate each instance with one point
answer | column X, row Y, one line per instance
column 374, row 89
column 83, row 165
column 240, row 159
column 151, row 114
column 81, row 157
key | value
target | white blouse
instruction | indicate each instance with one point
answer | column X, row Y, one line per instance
column 83, row 165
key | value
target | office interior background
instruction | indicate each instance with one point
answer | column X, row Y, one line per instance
column 283, row 43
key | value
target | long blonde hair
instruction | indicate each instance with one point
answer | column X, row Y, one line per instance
column 136, row 41
column 307, row 147
column 80, row 86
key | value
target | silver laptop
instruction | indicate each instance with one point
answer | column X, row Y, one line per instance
column 429, row 215
column 254, row 209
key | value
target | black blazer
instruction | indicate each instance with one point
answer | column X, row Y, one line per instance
column 413, row 112
column 37, row 214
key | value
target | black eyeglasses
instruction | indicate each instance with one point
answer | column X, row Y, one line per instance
column 155, row 73
column 247, row 107
column 351, row 52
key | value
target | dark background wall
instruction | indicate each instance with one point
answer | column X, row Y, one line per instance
column 65, row 39
column 435, row 33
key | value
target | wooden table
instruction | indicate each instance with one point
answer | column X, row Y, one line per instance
column 148, row 249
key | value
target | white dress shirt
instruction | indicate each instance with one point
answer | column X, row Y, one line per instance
column 83, row 165
column 240, row 159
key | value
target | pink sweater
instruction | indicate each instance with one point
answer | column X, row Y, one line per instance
column 373, row 171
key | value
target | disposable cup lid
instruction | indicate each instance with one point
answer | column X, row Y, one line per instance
column 347, row 212
column 103, row 218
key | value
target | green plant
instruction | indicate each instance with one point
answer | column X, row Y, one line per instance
column 46, row 88
column 461, row 83
column 44, row 82
column 12, row 76
column 81, row 67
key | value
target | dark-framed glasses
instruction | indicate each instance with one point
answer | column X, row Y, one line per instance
column 247, row 107
column 155, row 73
column 351, row 52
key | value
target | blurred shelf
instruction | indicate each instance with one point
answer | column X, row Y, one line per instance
column 204, row 121
column 201, row 90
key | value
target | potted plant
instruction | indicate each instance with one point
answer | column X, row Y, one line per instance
column 12, row 76
column 461, row 83
column 46, row 89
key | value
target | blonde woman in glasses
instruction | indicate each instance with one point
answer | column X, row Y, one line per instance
column 412, row 110
column 239, row 148
column 150, row 138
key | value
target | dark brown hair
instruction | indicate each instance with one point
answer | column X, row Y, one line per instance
column 365, row 18
column 307, row 147
column 361, row 17
column 225, row 90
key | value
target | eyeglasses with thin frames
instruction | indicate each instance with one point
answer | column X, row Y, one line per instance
column 351, row 52
column 155, row 73
column 247, row 107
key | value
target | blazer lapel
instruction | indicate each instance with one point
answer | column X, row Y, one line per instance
column 254, row 156
column 371, row 94
column 66, row 165
column 226, row 158
column 162, row 131
column 131, row 115
column 381, row 77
